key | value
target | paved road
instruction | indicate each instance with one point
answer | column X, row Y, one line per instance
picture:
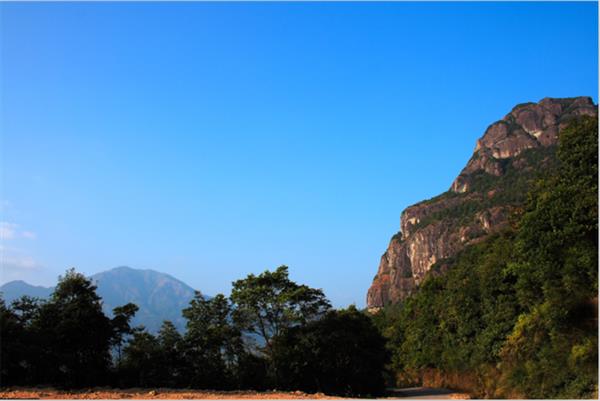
column 422, row 393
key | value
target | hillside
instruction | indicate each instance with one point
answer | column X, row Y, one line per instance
column 511, row 154
column 159, row 296
column 16, row 289
column 514, row 315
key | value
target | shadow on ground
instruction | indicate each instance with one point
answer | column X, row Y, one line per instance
column 422, row 392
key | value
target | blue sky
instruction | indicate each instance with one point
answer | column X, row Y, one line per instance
column 213, row 140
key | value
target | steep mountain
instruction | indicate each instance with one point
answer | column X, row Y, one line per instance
column 159, row 296
column 506, row 160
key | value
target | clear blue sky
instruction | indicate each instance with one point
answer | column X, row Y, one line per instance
column 210, row 140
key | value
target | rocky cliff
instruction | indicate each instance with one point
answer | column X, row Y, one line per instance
column 511, row 153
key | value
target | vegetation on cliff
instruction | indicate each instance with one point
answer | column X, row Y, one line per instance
column 511, row 155
column 516, row 314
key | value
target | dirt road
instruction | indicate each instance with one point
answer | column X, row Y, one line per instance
column 186, row 394
column 426, row 393
column 152, row 394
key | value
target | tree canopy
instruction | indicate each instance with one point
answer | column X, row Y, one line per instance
column 268, row 324
column 270, row 303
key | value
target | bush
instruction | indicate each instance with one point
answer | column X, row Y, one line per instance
column 342, row 353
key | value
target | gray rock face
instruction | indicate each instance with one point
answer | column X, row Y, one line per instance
column 527, row 126
column 480, row 199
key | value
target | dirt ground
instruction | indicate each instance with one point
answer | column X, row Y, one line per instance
column 176, row 394
column 147, row 394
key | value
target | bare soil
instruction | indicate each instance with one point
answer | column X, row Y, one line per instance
column 105, row 393
column 151, row 394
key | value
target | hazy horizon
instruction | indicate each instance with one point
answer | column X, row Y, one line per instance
column 213, row 140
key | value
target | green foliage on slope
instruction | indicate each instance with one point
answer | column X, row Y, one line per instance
column 487, row 191
column 552, row 350
column 517, row 312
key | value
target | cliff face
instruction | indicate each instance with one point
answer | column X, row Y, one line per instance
column 511, row 153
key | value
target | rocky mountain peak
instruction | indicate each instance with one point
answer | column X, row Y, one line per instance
column 495, row 180
column 528, row 125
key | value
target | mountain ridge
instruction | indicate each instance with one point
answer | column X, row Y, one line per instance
column 158, row 295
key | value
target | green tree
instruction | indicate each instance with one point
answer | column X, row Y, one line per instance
column 270, row 303
column 341, row 353
column 12, row 346
column 121, row 327
column 552, row 351
column 74, row 333
column 141, row 360
column 171, row 350
column 418, row 334
column 212, row 341
column 25, row 346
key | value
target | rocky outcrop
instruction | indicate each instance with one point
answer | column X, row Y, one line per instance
column 527, row 126
column 509, row 154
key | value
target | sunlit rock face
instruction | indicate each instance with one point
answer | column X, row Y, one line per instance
column 508, row 156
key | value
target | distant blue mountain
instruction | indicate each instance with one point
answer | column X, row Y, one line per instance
column 158, row 295
column 15, row 289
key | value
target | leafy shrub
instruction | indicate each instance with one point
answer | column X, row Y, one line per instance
column 341, row 353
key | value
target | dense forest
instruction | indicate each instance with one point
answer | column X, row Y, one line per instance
column 271, row 333
column 514, row 315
